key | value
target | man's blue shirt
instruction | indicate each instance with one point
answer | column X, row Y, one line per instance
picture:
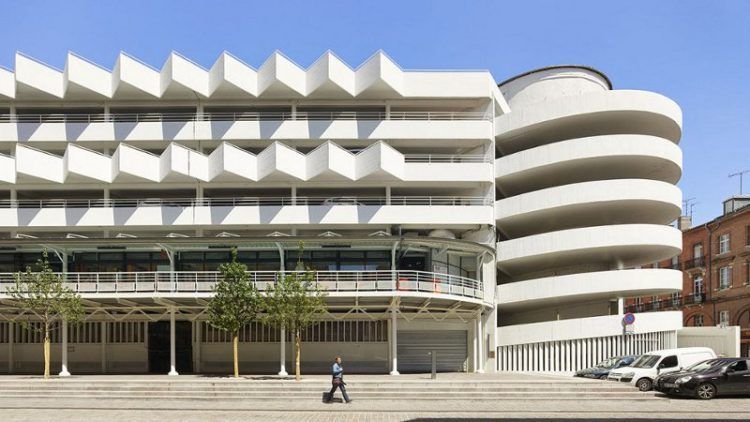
column 338, row 371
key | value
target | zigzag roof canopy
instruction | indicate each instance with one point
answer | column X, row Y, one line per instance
column 278, row 77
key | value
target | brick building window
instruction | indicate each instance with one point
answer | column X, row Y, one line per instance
column 724, row 243
column 698, row 320
column 725, row 278
column 747, row 271
column 724, row 318
column 698, row 285
column 676, row 298
column 697, row 250
column 747, row 235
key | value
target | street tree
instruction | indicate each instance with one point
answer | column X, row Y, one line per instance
column 236, row 302
column 294, row 303
column 40, row 292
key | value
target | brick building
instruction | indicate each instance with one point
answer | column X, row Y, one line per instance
column 715, row 262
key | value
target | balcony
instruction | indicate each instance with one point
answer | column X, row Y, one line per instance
column 249, row 116
column 600, row 326
column 333, row 125
column 695, row 299
column 188, row 213
column 698, row 262
column 341, row 283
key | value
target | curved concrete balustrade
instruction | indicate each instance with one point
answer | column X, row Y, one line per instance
column 601, row 326
column 554, row 81
column 589, row 114
column 623, row 245
column 586, row 204
column 588, row 159
column 586, row 287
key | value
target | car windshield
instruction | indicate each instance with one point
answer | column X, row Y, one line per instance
column 609, row 363
column 704, row 366
column 646, row 361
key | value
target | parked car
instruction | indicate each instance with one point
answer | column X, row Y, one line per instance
column 708, row 379
column 603, row 368
column 644, row 370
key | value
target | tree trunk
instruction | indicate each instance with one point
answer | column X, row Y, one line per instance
column 235, row 341
column 297, row 375
column 46, row 352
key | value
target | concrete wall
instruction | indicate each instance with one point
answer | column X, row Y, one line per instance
column 725, row 341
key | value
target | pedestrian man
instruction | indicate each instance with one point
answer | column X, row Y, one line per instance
column 338, row 380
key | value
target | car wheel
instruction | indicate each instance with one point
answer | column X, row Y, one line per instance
column 603, row 377
column 705, row 391
column 644, row 384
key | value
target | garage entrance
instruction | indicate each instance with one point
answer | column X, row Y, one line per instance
column 414, row 348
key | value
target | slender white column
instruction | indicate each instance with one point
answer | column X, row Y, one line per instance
column 480, row 345
column 282, row 354
column 197, row 346
column 104, row 346
column 11, row 341
column 64, row 345
column 172, row 351
column 394, row 343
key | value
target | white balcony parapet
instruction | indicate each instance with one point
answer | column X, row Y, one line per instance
column 277, row 162
column 600, row 326
column 230, row 78
column 203, row 282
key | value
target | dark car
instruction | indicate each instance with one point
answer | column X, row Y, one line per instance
column 601, row 369
column 708, row 379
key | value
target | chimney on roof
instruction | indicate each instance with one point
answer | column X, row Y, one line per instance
column 685, row 222
column 735, row 202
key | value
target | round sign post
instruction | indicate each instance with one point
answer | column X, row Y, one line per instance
column 627, row 323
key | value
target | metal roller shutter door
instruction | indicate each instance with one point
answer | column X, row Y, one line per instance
column 414, row 347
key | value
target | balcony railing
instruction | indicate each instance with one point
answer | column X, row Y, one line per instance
column 249, row 201
column 203, row 282
column 662, row 304
column 695, row 263
column 447, row 158
column 243, row 116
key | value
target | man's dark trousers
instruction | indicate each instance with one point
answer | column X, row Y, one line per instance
column 343, row 391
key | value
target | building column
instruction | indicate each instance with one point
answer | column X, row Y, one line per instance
column 11, row 341
column 282, row 354
column 394, row 343
column 104, row 346
column 172, row 352
column 480, row 346
column 620, row 306
column 197, row 346
column 64, row 345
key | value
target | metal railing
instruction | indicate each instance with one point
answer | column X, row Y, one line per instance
column 203, row 282
column 695, row 263
column 243, row 116
column 248, row 201
column 675, row 302
column 447, row 158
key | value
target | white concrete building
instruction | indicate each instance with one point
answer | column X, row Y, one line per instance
column 500, row 227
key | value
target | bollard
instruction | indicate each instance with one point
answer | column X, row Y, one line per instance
column 433, row 375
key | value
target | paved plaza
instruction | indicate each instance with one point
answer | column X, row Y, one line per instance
column 587, row 405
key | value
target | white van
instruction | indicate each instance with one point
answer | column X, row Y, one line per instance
column 642, row 372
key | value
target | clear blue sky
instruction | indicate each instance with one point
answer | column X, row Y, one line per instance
column 696, row 52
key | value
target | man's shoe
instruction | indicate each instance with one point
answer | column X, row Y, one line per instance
column 349, row 402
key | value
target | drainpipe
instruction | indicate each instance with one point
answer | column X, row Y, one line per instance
column 709, row 270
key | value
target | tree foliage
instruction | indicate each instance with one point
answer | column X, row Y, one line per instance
column 236, row 302
column 40, row 292
column 294, row 303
